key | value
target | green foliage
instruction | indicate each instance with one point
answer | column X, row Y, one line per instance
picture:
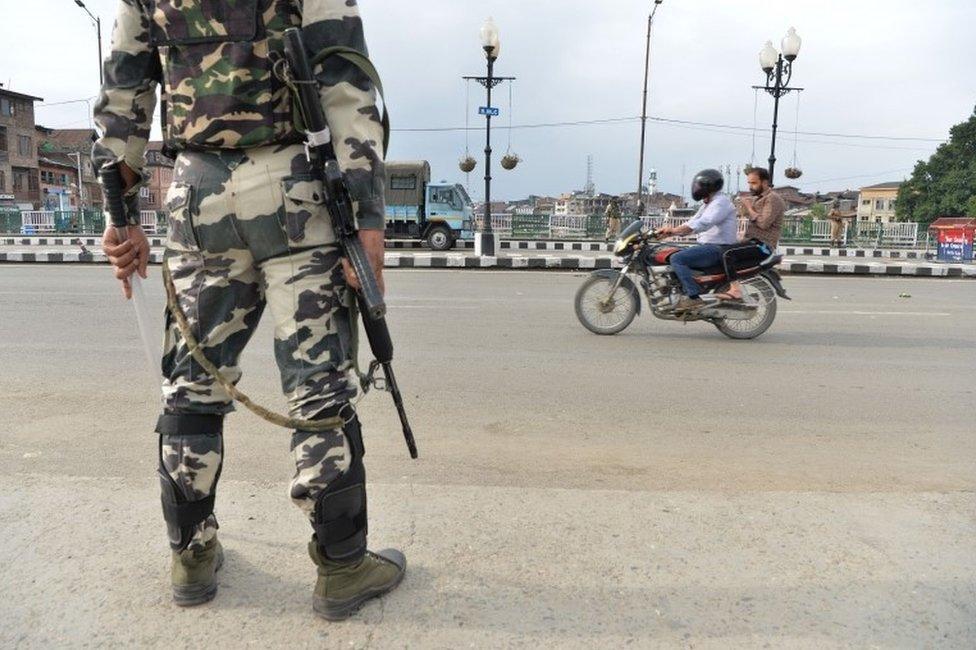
column 819, row 211
column 945, row 185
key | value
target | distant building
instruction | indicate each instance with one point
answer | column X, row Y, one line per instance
column 845, row 200
column 59, row 182
column 75, row 142
column 20, row 184
column 655, row 203
column 545, row 205
column 877, row 202
column 160, row 171
column 581, row 204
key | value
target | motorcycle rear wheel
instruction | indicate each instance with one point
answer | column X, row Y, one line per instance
column 601, row 317
column 760, row 290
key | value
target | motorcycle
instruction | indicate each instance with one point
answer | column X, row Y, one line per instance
column 608, row 301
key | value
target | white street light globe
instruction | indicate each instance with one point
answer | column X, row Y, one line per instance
column 768, row 57
column 791, row 44
column 490, row 38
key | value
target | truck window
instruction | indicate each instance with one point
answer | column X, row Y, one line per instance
column 403, row 182
column 442, row 195
column 465, row 199
column 456, row 202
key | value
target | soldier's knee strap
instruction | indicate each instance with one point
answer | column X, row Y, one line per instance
column 178, row 511
column 340, row 510
column 190, row 424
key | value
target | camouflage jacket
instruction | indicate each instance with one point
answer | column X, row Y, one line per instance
column 214, row 59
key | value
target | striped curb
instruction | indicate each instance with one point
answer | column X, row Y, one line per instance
column 156, row 242
column 461, row 261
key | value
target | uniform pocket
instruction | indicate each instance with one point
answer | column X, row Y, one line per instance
column 304, row 216
column 179, row 204
column 177, row 22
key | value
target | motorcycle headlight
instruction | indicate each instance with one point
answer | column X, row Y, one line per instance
column 622, row 245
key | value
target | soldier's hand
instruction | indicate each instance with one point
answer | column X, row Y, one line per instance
column 374, row 245
column 128, row 257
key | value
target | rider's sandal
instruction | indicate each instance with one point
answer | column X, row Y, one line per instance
column 728, row 297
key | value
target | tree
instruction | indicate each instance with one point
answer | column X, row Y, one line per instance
column 945, row 185
column 818, row 211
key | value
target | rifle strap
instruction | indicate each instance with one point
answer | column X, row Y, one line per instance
column 173, row 304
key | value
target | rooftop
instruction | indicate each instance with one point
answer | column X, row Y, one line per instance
column 10, row 93
column 71, row 139
column 883, row 186
column 952, row 222
column 56, row 159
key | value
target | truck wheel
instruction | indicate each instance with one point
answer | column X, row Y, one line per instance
column 440, row 238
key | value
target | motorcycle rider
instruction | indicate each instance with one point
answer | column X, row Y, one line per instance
column 764, row 210
column 716, row 225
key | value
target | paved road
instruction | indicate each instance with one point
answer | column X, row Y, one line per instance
column 665, row 487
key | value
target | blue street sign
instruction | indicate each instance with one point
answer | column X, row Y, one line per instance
column 488, row 110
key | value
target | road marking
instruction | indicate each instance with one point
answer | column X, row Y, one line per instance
column 867, row 313
column 395, row 307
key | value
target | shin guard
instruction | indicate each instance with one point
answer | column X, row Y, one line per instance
column 190, row 462
column 340, row 510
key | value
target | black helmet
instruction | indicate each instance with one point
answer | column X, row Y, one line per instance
column 706, row 183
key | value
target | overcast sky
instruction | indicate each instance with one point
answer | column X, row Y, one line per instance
column 898, row 68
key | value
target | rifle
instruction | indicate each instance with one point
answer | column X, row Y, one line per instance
column 339, row 205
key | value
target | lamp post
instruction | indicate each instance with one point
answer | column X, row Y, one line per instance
column 647, row 72
column 98, row 29
column 485, row 240
column 778, row 67
column 81, row 181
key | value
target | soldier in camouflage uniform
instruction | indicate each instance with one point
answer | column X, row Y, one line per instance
column 248, row 229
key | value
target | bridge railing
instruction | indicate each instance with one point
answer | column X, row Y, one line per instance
column 532, row 226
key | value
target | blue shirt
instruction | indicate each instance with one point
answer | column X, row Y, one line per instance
column 716, row 222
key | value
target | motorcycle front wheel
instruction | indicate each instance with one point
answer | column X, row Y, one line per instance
column 602, row 313
column 757, row 290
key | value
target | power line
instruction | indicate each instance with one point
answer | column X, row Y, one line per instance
column 804, row 140
column 672, row 121
column 68, row 101
column 847, row 178
column 816, row 133
column 614, row 120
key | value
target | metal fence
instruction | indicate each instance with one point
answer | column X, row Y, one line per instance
column 73, row 222
column 533, row 226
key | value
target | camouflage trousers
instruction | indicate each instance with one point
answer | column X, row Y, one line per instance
column 249, row 229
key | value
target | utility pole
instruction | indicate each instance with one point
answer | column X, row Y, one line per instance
column 98, row 30
column 647, row 74
column 81, row 182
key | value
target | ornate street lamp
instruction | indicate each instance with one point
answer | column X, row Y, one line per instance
column 779, row 70
column 486, row 242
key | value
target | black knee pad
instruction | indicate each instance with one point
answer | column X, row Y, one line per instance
column 340, row 509
column 182, row 515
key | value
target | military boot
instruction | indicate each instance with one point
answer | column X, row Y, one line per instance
column 341, row 589
column 194, row 573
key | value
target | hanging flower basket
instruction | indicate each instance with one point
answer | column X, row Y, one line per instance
column 793, row 173
column 468, row 164
column 510, row 161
